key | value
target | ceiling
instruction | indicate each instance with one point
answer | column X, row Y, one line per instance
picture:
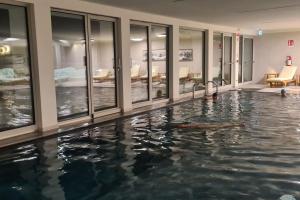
column 250, row 14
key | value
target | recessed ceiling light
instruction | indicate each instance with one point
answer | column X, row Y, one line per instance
column 10, row 39
column 161, row 35
column 64, row 41
column 136, row 39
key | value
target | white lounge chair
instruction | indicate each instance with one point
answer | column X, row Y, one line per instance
column 103, row 75
column 184, row 73
column 135, row 71
column 9, row 77
column 285, row 77
column 155, row 71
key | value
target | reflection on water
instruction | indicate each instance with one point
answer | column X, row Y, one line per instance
column 15, row 108
column 146, row 157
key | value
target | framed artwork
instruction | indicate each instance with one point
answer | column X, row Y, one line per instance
column 185, row 55
column 157, row 55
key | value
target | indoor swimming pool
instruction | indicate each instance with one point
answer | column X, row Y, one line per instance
column 148, row 157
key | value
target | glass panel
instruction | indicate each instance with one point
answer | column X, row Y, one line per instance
column 103, row 64
column 69, row 48
column 217, row 58
column 16, row 101
column 227, row 59
column 248, row 59
column 139, row 63
column 191, row 63
column 241, row 59
column 159, row 62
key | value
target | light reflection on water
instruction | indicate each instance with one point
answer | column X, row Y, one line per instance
column 147, row 157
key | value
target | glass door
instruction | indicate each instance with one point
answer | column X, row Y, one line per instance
column 217, row 57
column 159, row 61
column 149, row 50
column 16, row 90
column 191, row 60
column 222, row 59
column 71, row 81
column 248, row 59
column 227, row 65
column 102, row 51
column 139, row 51
column 241, row 46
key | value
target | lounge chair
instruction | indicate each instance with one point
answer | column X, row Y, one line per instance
column 285, row 77
column 156, row 76
column 9, row 77
column 70, row 76
column 183, row 74
column 197, row 77
column 103, row 75
column 135, row 72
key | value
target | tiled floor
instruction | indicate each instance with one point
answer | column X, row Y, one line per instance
column 267, row 89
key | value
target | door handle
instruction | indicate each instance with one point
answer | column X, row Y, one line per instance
column 119, row 65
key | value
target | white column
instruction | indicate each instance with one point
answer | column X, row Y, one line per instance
column 125, row 72
column 209, row 47
column 235, row 60
column 174, row 63
column 43, row 70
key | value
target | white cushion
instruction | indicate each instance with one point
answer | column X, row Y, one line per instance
column 102, row 73
column 155, row 71
column 135, row 70
column 184, row 72
column 288, row 72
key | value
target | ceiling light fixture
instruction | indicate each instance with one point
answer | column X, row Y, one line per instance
column 10, row 39
column 259, row 32
column 136, row 39
column 64, row 41
column 161, row 35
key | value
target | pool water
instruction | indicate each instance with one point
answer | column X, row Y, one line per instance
column 147, row 157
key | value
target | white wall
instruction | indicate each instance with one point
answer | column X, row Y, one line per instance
column 270, row 52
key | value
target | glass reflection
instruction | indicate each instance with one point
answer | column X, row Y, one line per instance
column 70, row 65
column 103, row 64
column 16, row 101
column 248, row 59
column 227, row 59
column 159, row 62
column 139, row 63
column 217, row 58
column 191, row 60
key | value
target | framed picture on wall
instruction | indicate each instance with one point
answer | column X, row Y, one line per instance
column 157, row 55
column 185, row 55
